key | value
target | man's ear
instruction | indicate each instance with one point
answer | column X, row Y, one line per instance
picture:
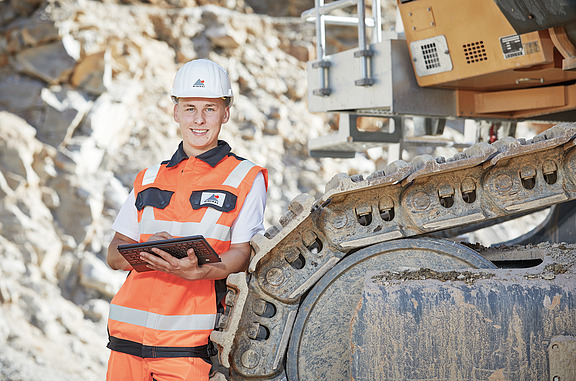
column 226, row 115
column 176, row 113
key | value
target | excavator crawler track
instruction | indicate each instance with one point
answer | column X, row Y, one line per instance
column 485, row 182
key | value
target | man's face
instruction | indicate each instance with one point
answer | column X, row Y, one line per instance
column 200, row 120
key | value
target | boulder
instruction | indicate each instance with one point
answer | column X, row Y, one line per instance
column 93, row 73
column 52, row 63
column 64, row 109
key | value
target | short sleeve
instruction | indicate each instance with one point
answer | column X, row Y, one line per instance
column 126, row 221
column 250, row 220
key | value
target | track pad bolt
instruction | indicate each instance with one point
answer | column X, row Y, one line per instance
column 308, row 238
column 291, row 254
column 257, row 331
column 550, row 172
column 338, row 219
column 468, row 188
column 420, row 201
column 528, row 177
column 527, row 172
column 259, row 307
column 263, row 308
column 445, row 191
column 275, row 276
column 446, row 195
column 364, row 214
column 250, row 359
column 549, row 167
column 468, row 185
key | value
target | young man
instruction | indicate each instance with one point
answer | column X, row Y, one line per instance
column 160, row 321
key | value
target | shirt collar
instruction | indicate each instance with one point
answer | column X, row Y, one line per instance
column 210, row 157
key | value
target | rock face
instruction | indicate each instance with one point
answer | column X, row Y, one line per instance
column 84, row 106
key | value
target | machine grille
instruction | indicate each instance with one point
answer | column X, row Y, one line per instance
column 475, row 52
column 430, row 55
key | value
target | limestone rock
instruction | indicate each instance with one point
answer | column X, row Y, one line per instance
column 51, row 63
column 20, row 94
column 64, row 109
column 93, row 73
column 25, row 7
column 95, row 274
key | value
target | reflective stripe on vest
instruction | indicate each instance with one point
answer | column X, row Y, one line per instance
column 237, row 175
column 151, row 174
column 161, row 322
column 207, row 227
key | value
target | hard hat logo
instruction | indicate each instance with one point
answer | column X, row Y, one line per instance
column 201, row 79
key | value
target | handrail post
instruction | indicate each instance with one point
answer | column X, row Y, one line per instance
column 364, row 52
column 320, row 31
column 321, row 63
column 377, row 16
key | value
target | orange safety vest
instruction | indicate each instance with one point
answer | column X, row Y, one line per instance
column 155, row 314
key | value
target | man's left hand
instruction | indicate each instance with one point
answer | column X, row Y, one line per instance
column 186, row 267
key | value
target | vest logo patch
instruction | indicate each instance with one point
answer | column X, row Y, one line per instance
column 213, row 198
column 218, row 199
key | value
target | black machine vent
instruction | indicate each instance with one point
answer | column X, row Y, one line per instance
column 430, row 55
column 475, row 52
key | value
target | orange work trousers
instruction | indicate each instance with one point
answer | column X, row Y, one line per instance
column 123, row 367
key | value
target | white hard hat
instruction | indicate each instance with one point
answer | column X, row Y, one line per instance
column 201, row 79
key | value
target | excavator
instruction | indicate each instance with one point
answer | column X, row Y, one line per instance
column 369, row 281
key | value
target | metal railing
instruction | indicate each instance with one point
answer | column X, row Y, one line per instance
column 321, row 17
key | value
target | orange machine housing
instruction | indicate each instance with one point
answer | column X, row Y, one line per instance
column 469, row 46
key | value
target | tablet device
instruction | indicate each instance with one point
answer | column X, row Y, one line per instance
column 178, row 247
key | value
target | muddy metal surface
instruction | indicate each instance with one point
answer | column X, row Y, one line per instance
column 489, row 324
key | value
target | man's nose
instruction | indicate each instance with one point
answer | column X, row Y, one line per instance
column 199, row 119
